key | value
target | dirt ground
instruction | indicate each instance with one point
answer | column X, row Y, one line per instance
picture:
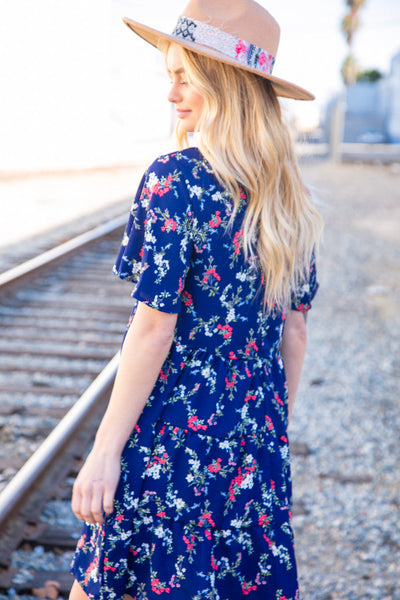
column 347, row 411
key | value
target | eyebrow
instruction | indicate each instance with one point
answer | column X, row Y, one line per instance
column 180, row 71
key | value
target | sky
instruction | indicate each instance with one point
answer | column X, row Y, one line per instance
column 83, row 90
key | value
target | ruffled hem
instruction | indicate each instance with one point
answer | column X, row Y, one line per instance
column 153, row 555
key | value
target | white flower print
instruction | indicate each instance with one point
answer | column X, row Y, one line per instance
column 152, row 180
column 231, row 315
column 159, row 531
column 179, row 503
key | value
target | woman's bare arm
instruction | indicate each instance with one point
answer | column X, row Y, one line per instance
column 145, row 349
column 293, row 350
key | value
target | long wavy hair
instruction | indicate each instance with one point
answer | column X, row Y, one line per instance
column 242, row 135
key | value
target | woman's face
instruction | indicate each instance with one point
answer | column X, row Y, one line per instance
column 188, row 101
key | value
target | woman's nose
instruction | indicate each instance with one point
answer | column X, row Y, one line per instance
column 174, row 94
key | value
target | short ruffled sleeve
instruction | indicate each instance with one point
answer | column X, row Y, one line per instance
column 157, row 244
column 304, row 295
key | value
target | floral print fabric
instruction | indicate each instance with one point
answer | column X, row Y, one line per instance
column 202, row 508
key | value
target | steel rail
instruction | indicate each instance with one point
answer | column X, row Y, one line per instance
column 29, row 475
column 46, row 258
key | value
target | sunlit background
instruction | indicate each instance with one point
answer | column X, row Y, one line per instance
column 78, row 89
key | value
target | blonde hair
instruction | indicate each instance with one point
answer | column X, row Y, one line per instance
column 243, row 137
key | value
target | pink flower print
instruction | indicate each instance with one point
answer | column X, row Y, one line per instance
column 119, row 518
column 215, row 221
column 187, row 299
column 161, row 513
column 162, row 189
column 163, row 375
column 251, row 345
column 163, row 459
column 215, row 466
column 232, row 355
column 302, row 307
column 236, row 241
column 263, row 520
column 206, row 517
column 92, row 567
column 213, row 563
column 212, row 272
column 82, row 541
column 252, row 468
column 227, row 329
column 284, row 439
column 241, row 49
column 169, row 225
column 276, row 396
column 272, row 484
column 158, row 588
column 180, row 288
column 155, row 188
column 247, row 588
column 195, row 424
column 269, row 421
column 266, row 62
column 267, row 539
column 235, row 484
column 153, row 216
column 230, row 383
column 107, row 567
column 207, row 533
column 189, row 543
column 250, row 397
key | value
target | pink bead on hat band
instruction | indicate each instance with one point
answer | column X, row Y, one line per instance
column 230, row 45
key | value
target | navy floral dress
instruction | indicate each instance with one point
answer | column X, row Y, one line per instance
column 202, row 510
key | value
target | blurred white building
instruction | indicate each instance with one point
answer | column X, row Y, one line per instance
column 373, row 109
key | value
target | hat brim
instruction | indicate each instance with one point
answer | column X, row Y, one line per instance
column 156, row 38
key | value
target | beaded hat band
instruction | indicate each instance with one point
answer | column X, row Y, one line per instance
column 234, row 47
column 237, row 32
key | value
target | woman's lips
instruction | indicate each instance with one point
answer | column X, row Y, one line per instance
column 182, row 113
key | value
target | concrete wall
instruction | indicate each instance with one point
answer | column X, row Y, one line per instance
column 393, row 121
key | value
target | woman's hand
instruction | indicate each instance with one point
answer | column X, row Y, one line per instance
column 94, row 488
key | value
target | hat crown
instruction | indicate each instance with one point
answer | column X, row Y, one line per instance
column 244, row 19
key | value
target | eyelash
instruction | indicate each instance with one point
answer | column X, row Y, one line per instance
column 181, row 82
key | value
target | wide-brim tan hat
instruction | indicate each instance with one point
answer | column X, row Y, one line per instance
column 237, row 32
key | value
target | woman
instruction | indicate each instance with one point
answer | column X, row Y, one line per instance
column 186, row 492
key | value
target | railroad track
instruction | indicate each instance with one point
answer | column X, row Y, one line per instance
column 62, row 316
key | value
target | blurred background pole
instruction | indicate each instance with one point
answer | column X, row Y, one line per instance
column 337, row 128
